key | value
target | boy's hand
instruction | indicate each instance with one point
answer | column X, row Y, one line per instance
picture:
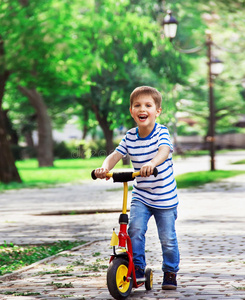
column 101, row 173
column 147, row 169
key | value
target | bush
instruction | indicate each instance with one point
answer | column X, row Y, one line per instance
column 61, row 150
column 20, row 152
column 72, row 149
column 17, row 151
column 81, row 148
column 186, row 130
column 97, row 147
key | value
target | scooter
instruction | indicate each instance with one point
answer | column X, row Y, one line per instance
column 121, row 276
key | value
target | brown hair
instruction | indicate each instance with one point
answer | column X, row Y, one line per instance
column 146, row 90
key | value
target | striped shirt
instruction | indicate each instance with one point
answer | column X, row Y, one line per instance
column 160, row 191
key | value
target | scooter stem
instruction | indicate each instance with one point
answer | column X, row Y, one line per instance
column 125, row 197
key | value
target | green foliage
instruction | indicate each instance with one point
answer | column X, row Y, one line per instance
column 97, row 147
column 225, row 23
column 13, row 257
column 185, row 130
column 85, row 58
column 130, row 54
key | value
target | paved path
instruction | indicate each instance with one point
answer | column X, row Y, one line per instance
column 210, row 230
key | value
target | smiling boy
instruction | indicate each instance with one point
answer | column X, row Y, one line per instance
column 149, row 146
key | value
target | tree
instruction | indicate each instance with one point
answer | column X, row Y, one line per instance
column 24, row 65
column 128, row 53
column 38, row 42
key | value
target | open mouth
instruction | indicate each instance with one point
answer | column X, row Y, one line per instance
column 143, row 117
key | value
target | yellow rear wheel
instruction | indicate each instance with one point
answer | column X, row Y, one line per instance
column 148, row 279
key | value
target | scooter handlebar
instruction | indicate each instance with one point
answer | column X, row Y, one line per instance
column 123, row 176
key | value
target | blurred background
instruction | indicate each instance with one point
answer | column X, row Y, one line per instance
column 67, row 69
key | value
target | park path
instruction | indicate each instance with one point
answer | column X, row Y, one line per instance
column 210, row 230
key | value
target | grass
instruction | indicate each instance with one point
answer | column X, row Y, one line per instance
column 64, row 171
column 194, row 179
column 14, row 293
column 190, row 153
column 60, row 285
column 240, row 162
column 239, row 288
column 78, row 170
column 13, row 257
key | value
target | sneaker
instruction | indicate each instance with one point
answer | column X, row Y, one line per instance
column 139, row 273
column 169, row 281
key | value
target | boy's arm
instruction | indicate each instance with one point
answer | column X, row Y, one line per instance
column 162, row 154
column 108, row 164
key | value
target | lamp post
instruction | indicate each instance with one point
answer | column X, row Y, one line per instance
column 215, row 67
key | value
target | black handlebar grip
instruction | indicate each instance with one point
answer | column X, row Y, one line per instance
column 93, row 175
column 122, row 177
column 155, row 172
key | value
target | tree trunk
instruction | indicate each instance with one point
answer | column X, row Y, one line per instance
column 10, row 131
column 109, row 138
column 29, row 139
column 8, row 170
column 85, row 126
column 45, row 140
column 108, row 133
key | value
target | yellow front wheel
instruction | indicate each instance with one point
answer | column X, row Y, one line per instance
column 117, row 284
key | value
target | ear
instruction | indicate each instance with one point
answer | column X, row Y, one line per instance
column 130, row 111
column 159, row 110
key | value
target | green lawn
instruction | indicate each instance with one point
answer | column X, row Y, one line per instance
column 193, row 179
column 64, row 171
column 240, row 162
column 78, row 170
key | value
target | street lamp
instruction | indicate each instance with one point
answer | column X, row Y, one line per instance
column 215, row 67
column 170, row 25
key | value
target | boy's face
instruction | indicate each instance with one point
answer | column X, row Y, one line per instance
column 144, row 111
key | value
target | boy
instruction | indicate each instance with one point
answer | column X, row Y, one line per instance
column 149, row 146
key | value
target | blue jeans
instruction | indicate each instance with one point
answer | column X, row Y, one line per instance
column 165, row 221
